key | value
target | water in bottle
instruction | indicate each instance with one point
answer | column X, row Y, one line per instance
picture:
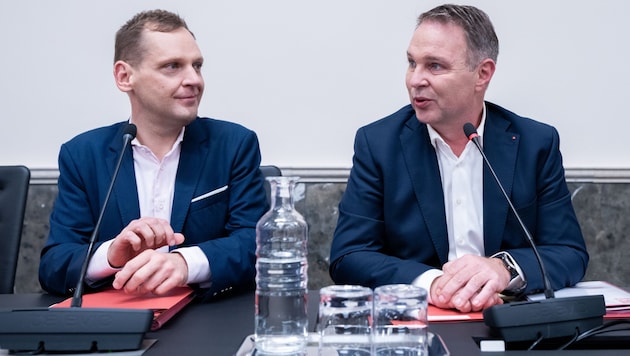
column 281, row 274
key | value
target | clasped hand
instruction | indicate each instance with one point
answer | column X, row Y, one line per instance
column 470, row 283
column 143, row 269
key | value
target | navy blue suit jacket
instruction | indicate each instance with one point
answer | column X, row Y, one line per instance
column 392, row 225
column 214, row 154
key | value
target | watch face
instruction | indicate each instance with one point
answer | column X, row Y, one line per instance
column 508, row 265
column 513, row 271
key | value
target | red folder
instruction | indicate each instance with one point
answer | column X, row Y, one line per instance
column 164, row 306
column 435, row 314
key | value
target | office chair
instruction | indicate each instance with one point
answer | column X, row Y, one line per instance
column 14, row 181
column 270, row 171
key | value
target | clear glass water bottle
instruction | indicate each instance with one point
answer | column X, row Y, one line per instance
column 281, row 274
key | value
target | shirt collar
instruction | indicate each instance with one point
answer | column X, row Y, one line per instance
column 434, row 136
column 179, row 139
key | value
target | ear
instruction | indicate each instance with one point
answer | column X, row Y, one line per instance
column 485, row 71
column 122, row 75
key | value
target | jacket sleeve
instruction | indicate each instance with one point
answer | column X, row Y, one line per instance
column 362, row 251
column 551, row 219
column 71, row 224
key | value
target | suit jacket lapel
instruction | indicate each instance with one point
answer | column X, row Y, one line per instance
column 423, row 169
column 194, row 149
column 501, row 148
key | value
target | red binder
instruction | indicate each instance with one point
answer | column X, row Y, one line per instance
column 164, row 307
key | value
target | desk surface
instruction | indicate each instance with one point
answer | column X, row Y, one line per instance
column 219, row 328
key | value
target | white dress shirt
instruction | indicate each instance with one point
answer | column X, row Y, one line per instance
column 155, row 180
column 462, row 184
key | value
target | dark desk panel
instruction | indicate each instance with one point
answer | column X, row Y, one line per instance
column 218, row 328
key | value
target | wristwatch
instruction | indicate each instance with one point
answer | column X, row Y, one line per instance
column 517, row 282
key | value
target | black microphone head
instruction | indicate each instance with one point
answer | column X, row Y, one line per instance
column 469, row 130
column 130, row 130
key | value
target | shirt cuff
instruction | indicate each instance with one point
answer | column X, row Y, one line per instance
column 198, row 266
column 99, row 268
column 426, row 279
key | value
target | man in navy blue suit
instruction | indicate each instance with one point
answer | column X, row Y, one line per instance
column 422, row 208
column 185, row 205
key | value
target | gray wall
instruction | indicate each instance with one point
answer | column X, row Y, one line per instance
column 601, row 200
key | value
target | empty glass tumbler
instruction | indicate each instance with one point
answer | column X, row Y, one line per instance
column 345, row 317
column 400, row 321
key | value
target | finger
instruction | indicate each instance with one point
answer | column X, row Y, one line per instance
column 123, row 248
column 120, row 280
column 493, row 301
column 152, row 282
column 438, row 285
column 154, row 273
column 176, row 239
column 454, row 279
column 177, row 275
column 166, row 286
column 164, row 234
column 461, row 303
column 127, row 277
column 487, row 296
column 162, row 231
column 127, row 238
column 144, row 230
column 476, row 290
column 164, row 272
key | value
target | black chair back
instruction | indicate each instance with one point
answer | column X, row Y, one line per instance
column 270, row 171
column 14, row 182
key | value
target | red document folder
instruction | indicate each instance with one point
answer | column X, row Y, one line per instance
column 435, row 314
column 617, row 302
column 164, row 307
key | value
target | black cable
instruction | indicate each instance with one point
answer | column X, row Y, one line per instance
column 573, row 339
column 40, row 350
column 607, row 331
column 536, row 342
column 597, row 330
column 601, row 329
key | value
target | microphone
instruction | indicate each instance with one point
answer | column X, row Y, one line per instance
column 544, row 319
column 77, row 329
column 129, row 133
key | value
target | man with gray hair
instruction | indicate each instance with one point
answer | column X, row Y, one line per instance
column 421, row 207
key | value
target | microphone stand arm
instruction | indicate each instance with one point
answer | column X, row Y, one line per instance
column 548, row 289
column 77, row 297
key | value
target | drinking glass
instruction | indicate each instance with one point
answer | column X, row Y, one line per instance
column 400, row 320
column 345, row 315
